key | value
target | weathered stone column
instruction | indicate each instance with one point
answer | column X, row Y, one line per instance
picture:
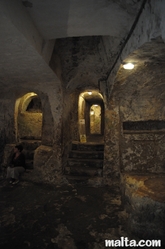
column 111, row 151
column 48, row 156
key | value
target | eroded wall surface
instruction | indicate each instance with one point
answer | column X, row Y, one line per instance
column 30, row 125
column 144, row 197
column 130, row 146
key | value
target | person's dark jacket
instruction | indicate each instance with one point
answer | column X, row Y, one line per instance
column 19, row 161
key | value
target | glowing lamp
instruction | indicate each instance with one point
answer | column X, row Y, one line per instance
column 128, row 66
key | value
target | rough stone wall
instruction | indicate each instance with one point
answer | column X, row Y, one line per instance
column 81, row 107
column 7, row 127
column 81, row 61
column 74, row 118
column 149, row 26
column 30, row 125
column 140, row 97
column 111, row 138
column 143, row 196
column 120, row 149
column 69, row 124
column 47, row 166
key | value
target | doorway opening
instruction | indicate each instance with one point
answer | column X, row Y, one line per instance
column 95, row 119
column 91, row 115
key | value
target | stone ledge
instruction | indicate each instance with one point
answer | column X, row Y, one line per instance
column 146, row 185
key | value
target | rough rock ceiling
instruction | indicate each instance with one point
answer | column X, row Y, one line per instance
column 84, row 60
column 92, row 97
column 152, row 53
column 69, row 18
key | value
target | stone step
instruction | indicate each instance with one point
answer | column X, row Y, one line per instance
column 96, row 163
column 83, row 171
column 87, row 146
column 30, row 144
column 86, row 154
column 85, row 160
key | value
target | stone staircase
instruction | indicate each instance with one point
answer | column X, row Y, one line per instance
column 85, row 161
column 30, row 145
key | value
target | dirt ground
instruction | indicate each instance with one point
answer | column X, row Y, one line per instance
column 52, row 217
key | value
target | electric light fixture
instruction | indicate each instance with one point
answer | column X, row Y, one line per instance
column 128, row 66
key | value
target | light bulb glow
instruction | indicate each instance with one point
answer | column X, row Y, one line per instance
column 90, row 93
column 128, row 66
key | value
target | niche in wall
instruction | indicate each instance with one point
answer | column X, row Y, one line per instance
column 148, row 125
column 29, row 118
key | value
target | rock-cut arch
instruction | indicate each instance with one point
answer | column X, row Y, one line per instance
column 28, row 117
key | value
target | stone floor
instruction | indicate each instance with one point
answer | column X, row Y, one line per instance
column 72, row 216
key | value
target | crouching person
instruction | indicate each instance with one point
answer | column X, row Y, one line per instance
column 17, row 165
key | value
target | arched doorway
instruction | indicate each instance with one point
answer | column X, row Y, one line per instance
column 86, row 156
column 91, row 115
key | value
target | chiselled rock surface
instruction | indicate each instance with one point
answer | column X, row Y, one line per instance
column 46, row 165
column 144, row 198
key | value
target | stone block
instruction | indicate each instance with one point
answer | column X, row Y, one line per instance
column 47, row 167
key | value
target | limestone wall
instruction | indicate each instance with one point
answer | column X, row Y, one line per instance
column 111, row 137
column 7, row 127
column 139, row 147
column 30, row 125
column 140, row 97
column 69, row 124
column 149, row 26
